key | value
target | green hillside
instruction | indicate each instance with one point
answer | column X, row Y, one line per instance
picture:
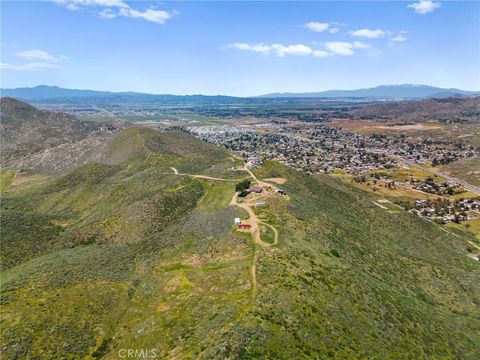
column 26, row 130
column 48, row 143
column 126, row 254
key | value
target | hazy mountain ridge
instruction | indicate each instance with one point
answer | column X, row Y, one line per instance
column 43, row 93
column 384, row 91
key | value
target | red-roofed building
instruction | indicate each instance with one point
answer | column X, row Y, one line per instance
column 244, row 226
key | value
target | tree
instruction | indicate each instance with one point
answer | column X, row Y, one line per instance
column 242, row 186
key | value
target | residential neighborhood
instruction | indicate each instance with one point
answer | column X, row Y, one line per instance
column 444, row 210
column 322, row 148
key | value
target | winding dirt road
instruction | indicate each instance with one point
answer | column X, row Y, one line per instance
column 253, row 220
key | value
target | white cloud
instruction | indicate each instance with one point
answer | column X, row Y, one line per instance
column 77, row 4
column 368, row 33
column 331, row 27
column 360, row 45
column 331, row 48
column 35, row 66
column 297, row 49
column 156, row 16
column 258, row 48
column 39, row 60
column 281, row 50
column 321, row 53
column 71, row 7
column 114, row 8
column 424, row 6
column 317, row 26
column 399, row 38
column 38, row 55
column 340, row 48
column 107, row 14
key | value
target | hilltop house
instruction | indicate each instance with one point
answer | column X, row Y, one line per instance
column 255, row 189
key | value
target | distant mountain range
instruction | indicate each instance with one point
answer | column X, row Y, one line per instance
column 43, row 93
column 406, row 91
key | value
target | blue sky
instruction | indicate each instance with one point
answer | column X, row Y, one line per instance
column 239, row 48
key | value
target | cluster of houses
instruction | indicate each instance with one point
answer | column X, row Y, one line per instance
column 444, row 210
column 320, row 148
column 428, row 185
column 439, row 188
column 253, row 162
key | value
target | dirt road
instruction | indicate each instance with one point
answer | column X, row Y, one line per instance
column 253, row 220
column 196, row 176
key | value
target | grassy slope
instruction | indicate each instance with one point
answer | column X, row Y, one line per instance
column 75, row 249
column 466, row 169
column 472, row 226
column 6, row 178
column 399, row 286
column 156, row 265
